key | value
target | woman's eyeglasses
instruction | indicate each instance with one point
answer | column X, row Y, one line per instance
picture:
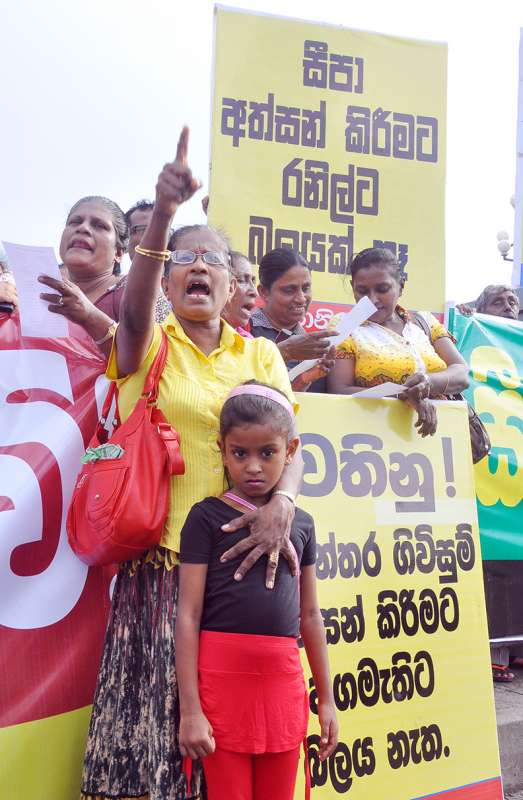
column 211, row 257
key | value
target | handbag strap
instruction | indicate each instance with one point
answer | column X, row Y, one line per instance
column 150, row 388
column 420, row 320
column 107, row 402
column 152, row 381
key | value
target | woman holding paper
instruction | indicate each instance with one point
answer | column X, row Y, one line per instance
column 93, row 243
column 392, row 346
column 286, row 290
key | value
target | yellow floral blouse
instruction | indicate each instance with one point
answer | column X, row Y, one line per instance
column 382, row 355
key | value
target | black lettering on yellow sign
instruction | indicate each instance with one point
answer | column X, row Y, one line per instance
column 347, row 760
column 348, row 559
column 347, row 623
column 368, row 685
column 400, row 612
column 419, row 552
column 415, row 746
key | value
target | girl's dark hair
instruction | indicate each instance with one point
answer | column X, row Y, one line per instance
column 119, row 222
column 251, row 409
column 276, row 262
column 176, row 234
column 379, row 256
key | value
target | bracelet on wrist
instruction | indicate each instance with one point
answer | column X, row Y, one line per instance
column 111, row 330
column 288, row 495
column 156, row 255
column 438, row 392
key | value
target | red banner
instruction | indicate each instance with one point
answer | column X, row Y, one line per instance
column 52, row 608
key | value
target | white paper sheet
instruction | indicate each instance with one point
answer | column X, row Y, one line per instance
column 387, row 389
column 301, row 367
column 348, row 322
column 27, row 263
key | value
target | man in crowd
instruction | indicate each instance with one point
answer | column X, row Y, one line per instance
column 138, row 218
column 498, row 300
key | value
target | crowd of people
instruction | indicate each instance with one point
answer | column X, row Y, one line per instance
column 205, row 599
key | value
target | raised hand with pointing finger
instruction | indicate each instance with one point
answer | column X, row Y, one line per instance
column 176, row 183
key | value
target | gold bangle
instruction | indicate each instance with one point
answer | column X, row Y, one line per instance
column 156, row 255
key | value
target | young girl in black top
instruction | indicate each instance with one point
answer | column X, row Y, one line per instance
column 243, row 701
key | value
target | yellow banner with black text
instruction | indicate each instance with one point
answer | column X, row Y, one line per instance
column 328, row 141
column 401, row 592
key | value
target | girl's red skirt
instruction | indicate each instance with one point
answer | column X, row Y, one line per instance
column 252, row 691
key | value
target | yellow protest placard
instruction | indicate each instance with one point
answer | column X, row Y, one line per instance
column 400, row 587
column 329, row 140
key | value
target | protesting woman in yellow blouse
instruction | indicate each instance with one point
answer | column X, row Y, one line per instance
column 132, row 750
column 392, row 346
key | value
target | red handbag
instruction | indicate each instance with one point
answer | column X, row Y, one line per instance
column 119, row 505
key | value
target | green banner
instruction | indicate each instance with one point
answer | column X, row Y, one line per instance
column 493, row 348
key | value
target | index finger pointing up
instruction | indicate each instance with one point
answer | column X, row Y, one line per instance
column 183, row 144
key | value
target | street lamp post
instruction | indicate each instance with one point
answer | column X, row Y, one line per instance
column 504, row 245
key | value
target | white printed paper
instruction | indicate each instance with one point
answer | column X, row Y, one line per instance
column 387, row 389
column 27, row 263
column 348, row 322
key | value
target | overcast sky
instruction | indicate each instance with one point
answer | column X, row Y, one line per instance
column 93, row 95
